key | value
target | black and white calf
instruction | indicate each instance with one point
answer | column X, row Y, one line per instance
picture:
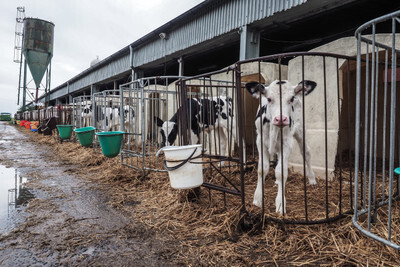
column 291, row 124
column 111, row 115
column 209, row 114
column 87, row 114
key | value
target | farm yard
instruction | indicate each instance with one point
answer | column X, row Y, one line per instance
column 148, row 222
column 224, row 222
column 211, row 141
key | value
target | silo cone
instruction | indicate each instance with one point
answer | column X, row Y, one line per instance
column 38, row 47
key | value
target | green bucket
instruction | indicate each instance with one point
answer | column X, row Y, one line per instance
column 65, row 131
column 397, row 170
column 110, row 143
column 85, row 135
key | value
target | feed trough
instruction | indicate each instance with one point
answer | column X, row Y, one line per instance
column 85, row 135
column 64, row 131
column 110, row 143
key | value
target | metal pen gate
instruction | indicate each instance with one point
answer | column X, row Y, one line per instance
column 212, row 102
column 149, row 99
column 321, row 125
column 377, row 141
column 105, row 111
column 82, row 111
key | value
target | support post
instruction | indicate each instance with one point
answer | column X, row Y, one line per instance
column 249, row 43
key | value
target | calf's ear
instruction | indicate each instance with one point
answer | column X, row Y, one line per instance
column 159, row 121
column 306, row 86
column 255, row 89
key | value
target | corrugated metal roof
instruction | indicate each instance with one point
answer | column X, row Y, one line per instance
column 224, row 18
column 206, row 21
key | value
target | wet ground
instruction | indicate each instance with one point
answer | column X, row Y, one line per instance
column 50, row 217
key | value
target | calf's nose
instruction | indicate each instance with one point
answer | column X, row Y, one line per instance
column 281, row 122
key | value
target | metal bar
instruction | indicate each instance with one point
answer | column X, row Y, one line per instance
column 366, row 128
column 350, row 158
column 326, row 142
column 240, row 136
column 283, row 188
column 339, row 135
column 304, row 141
column 357, row 128
column 392, row 129
column 375, row 133
column 222, row 189
column 384, row 126
column 371, row 130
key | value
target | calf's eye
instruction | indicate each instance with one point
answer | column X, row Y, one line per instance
column 269, row 99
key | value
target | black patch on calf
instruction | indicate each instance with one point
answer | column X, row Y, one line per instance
column 208, row 112
column 159, row 121
column 223, row 115
column 162, row 137
column 173, row 134
column 281, row 82
column 254, row 87
column 265, row 120
column 263, row 110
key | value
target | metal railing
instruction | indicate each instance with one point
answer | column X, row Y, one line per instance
column 377, row 145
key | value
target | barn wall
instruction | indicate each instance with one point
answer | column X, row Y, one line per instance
column 314, row 104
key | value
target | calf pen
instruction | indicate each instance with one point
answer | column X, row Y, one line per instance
column 82, row 115
column 377, row 150
column 219, row 109
column 150, row 98
column 323, row 125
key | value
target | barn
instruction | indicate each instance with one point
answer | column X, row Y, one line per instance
column 217, row 47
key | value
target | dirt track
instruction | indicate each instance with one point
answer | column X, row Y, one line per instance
column 69, row 221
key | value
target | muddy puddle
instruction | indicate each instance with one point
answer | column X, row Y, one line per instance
column 13, row 195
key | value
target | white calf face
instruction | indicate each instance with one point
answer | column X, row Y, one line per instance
column 276, row 91
column 277, row 94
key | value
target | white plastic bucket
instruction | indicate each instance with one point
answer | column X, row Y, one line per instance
column 190, row 174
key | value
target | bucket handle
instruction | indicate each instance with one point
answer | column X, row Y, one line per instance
column 180, row 164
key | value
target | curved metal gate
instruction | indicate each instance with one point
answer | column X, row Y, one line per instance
column 377, row 142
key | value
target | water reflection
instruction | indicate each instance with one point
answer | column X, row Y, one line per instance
column 19, row 195
column 13, row 194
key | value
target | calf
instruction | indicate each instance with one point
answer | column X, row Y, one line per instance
column 86, row 114
column 113, row 117
column 276, row 124
column 209, row 114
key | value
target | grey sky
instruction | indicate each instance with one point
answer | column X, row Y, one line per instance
column 83, row 30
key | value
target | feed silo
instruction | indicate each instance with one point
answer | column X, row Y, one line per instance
column 37, row 48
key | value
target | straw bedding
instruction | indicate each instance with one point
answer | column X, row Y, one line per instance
column 207, row 230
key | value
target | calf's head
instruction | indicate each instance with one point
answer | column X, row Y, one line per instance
column 87, row 110
column 129, row 113
column 168, row 131
column 280, row 92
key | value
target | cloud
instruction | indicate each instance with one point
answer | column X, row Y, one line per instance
column 83, row 30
